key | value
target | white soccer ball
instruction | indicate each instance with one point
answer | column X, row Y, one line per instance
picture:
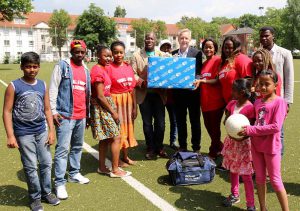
column 234, row 124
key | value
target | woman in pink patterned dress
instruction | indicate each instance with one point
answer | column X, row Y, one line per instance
column 237, row 153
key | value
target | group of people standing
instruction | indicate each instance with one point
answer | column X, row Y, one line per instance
column 106, row 99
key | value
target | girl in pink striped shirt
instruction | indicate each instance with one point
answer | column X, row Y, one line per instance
column 270, row 112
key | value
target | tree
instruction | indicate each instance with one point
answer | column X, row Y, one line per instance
column 291, row 22
column 249, row 20
column 95, row 28
column 143, row 26
column 11, row 8
column 120, row 12
column 59, row 22
column 273, row 17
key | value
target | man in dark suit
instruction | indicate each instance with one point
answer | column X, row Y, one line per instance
column 188, row 99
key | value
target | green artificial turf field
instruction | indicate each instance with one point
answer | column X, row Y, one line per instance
column 104, row 193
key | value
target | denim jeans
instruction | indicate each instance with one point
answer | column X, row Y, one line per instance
column 173, row 124
column 153, row 108
column 36, row 153
column 70, row 134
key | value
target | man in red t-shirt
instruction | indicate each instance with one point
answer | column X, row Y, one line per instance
column 69, row 98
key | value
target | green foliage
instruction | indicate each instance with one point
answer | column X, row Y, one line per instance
column 143, row 26
column 200, row 28
column 273, row 17
column 291, row 20
column 11, row 8
column 6, row 59
column 59, row 22
column 249, row 20
column 95, row 28
column 17, row 60
column 120, row 12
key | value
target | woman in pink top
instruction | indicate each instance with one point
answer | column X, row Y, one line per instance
column 123, row 94
column 234, row 65
column 104, row 117
column 270, row 112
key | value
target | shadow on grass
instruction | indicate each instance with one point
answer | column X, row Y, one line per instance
column 14, row 196
column 191, row 199
column 21, row 175
column 6, row 69
column 292, row 188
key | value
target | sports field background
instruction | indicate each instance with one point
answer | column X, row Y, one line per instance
column 104, row 193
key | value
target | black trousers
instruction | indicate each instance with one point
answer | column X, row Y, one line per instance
column 188, row 100
column 153, row 116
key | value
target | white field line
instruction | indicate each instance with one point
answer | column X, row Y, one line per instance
column 5, row 84
column 138, row 186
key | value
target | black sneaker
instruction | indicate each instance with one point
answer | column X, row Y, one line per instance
column 230, row 200
column 36, row 205
column 251, row 209
column 51, row 199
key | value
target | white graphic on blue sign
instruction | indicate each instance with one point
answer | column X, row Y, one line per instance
column 176, row 72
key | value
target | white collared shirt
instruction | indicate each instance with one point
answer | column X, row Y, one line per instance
column 183, row 54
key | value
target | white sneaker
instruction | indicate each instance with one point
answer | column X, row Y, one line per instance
column 78, row 178
column 61, row 192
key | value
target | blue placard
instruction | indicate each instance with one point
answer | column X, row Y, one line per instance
column 171, row 72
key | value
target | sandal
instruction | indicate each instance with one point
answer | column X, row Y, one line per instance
column 113, row 175
column 103, row 172
column 130, row 162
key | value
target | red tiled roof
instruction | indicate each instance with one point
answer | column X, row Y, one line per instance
column 172, row 29
column 124, row 20
column 225, row 28
column 34, row 18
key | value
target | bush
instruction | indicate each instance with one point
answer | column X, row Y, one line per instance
column 6, row 59
column 18, row 60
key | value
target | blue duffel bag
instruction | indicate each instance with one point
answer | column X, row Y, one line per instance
column 187, row 168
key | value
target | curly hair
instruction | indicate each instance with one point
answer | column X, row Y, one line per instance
column 267, row 60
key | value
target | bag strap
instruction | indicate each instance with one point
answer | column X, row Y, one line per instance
column 200, row 160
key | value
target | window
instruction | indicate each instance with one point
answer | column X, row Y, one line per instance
column 19, row 21
column 18, row 32
column 174, row 37
column 7, row 54
column 6, row 43
column 132, row 44
column 31, row 43
column 43, row 48
column 19, row 43
column 30, row 33
column 6, row 32
column 43, row 37
column 19, row 54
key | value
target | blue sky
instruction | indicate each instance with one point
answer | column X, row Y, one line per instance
column 169, row 11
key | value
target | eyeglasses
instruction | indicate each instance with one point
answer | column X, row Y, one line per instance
column 31, row 67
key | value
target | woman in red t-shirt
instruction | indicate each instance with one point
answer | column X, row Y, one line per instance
column 104, row 117
column 123, row 94
column 234, row 65
column 212, row 103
